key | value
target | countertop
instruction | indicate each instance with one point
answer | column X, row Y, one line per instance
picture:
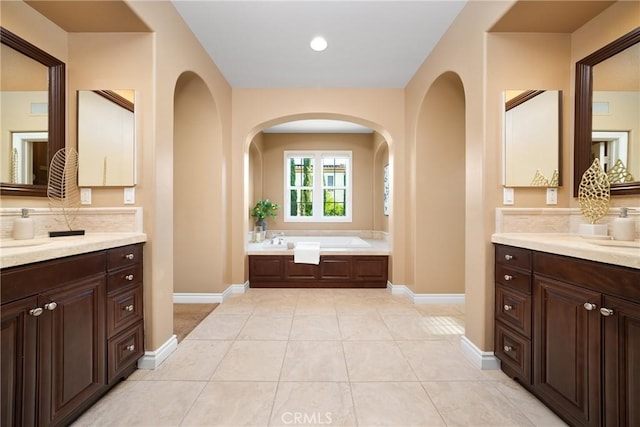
column 20, row 252
column 378, row 247
column 575, row 246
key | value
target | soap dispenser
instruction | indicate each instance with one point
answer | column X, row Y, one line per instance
column 23, row 227
column 623, row 227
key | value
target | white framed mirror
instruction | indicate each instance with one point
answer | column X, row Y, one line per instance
column 532, row 138
column 106, row 138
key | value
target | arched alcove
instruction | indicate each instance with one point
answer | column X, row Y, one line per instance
column 439, row 190
column 199, row 201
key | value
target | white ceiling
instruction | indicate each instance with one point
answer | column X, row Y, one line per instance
column 265, row 43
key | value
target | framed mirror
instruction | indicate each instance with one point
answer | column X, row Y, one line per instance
column 607, row 108
column 106, row 138
column 26, row 174
column 532, row 138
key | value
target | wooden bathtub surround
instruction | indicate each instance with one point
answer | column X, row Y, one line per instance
column 333, row 271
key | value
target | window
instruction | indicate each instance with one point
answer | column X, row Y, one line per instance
column 317, row 186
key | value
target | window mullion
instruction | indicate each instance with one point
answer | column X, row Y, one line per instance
column 318, row 190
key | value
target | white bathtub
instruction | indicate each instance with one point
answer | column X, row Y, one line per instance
column 328, row 241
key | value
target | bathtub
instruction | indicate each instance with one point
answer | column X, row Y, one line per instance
column 327, row 242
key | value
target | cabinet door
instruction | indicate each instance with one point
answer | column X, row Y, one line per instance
column 19, row 341
column 567, row 350
column 72, row 347
column 621, row 344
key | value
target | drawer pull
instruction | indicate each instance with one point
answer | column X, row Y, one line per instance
column 129, row 277
column 507, row 348
column 130, row 348
column 50, row 306
column 128, row 308
column 129, row 256
column 35, row 312
column 508, row 277
column 589, row 306
column 508, row 307
column 606, row 312
column 508, row 257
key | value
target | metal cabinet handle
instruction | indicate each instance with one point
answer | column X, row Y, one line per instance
column 508, row 277
column 589, row 306
column 36, row 311
column 507, row 348
column 129, row 256
column 129, row 277
column 130, row 348
column 50, row 306
column 508, row 257
column 606, row 312
column 508, row 307
column 129, row 308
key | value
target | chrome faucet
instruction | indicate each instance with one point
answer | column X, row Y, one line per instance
column 277, row 238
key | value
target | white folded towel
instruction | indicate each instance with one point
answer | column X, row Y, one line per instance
column 307, row 253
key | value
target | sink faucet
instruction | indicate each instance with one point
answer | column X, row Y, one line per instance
column 277, row 237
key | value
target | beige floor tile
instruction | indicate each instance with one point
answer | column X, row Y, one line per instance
column 376, row 361
column 315, row 306
column 474, row 403
column 440, row 309
column 315, row 327
column 313, row 403
column 363, row 327
column 251, row 361
column 394, row 404
column 531, row 407
column 403, row 327
column 266, row 328
column 314, row 361
column 143, row 403
column 275, row 308
column 235, row 305
column 232, row 404
column 219, row 326
column 194, row 360
column 436, row 360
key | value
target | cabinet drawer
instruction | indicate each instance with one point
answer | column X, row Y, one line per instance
column 512, row 278
column 124, row 309
column 514, row 309
column 124, row 350
column 124, row 256
column 514, row 257
column 515, row 353
column 123, row 278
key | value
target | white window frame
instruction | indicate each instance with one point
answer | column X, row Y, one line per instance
column 318, row 190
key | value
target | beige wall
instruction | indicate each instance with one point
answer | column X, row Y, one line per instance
column 361, row 146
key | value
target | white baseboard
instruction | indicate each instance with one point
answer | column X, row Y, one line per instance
column 208, row 298
column 153, row 359
column 425, row 298
column 485, row 360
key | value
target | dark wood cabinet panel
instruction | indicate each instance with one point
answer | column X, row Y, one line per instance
column 332, row 271
column 514, row 352
column 566, row 350
column 123, row 352
column 513, row 309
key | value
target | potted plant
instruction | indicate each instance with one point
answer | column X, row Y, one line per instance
column 262, row 210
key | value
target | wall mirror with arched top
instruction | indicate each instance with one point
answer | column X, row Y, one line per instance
column 607, row 122
column 29, row 109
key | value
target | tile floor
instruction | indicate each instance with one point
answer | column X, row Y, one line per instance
column 324, row 357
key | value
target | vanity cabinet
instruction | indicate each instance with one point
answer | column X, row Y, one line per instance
column 55, row 339
column 585, row 337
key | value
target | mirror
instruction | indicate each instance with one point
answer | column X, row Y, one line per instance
column 106, row 138
column 37, row 109
column 607, row 123
column 532, row 142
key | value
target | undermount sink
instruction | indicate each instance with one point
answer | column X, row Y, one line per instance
column 617, row 243
column 10, row 243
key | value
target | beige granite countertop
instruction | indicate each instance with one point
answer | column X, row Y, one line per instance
column 378, row 247
column 575, row 246
column 20, row 252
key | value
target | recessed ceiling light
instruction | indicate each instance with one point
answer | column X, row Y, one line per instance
column 318, row 44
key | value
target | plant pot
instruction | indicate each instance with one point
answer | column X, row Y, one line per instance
column 262, row 223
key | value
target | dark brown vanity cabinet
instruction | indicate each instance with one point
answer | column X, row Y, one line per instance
column 585, row 340
column 55, row 339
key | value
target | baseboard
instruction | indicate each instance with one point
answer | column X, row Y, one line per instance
column 209, row 298
column 426, row 298
column 485, row 360
column 153, row 359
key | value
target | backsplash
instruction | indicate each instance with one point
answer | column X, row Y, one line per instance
column 92, row 220
column 551, row 220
